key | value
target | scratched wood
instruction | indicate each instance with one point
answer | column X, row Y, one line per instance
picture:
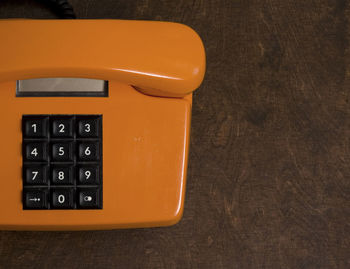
column 269, row 172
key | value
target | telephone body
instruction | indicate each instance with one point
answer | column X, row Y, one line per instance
column 140, row 122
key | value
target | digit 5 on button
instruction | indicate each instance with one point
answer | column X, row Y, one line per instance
column 62, row 151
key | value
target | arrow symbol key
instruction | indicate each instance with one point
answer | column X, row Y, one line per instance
column 34, row 199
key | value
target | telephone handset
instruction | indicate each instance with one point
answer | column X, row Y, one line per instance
column 159, row 58
column 96, row 122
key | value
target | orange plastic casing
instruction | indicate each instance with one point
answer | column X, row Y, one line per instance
column 152, row 69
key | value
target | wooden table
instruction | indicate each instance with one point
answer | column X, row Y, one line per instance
column 269, row 171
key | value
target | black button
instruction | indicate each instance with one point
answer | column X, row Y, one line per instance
column 62, row 198
column 34, row 127
column 35, row 151
column 62, row 152
column 88, row 127
column 62, row 127
column 89, row 151
column 89, row 175
column 62, row 175
column 35, row 199
column 89, row 198
column 35, row 175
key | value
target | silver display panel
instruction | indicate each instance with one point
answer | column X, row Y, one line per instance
column 81, row 87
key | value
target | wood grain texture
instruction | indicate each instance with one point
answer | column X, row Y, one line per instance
column 269, row 172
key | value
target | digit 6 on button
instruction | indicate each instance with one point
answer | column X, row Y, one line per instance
column 89, row 151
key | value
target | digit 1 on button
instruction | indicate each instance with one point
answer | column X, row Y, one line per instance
column 34, row 126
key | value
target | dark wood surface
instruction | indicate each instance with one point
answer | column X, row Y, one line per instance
column 269, row 168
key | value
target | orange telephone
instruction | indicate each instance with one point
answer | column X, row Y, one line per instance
column 95, row 122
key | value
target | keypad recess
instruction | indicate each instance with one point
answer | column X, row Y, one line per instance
column 62, row 161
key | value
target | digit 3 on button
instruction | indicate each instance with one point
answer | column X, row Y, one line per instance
column 88, row 127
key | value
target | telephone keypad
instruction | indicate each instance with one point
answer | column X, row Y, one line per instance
column 62, row 161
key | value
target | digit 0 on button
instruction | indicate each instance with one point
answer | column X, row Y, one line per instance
column 62, row 198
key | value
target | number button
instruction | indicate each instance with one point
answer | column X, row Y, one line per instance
column 62, row 127
column 89, row 151
column 35, row 151
column 34, row 127
column 62, row 175
column 88, row 127
column 89, row 175
column 35, row 175
column 62, row 152
column 62, row 198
